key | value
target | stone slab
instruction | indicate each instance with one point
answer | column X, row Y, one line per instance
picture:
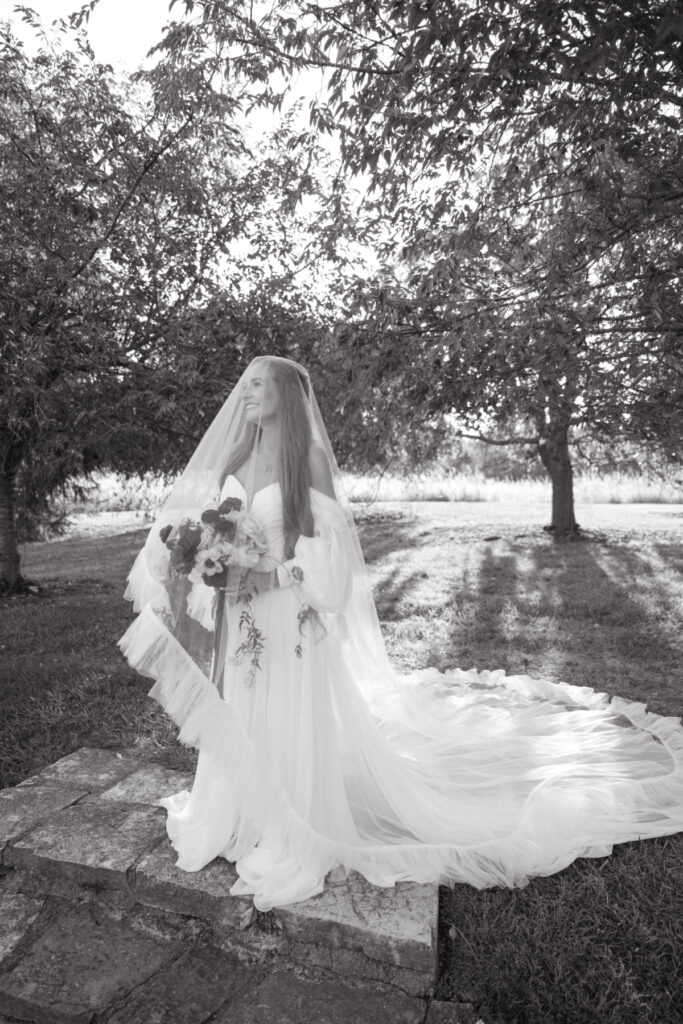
column 285, row 999
column 442, row 1012
column 89, row 767
column 147, row 785
column 350, row 963
column 17, row 914
column 397, row 925
column 77, row 967
column 189, row 991
column 92, row 844
column 23, row 807
column 205, row 894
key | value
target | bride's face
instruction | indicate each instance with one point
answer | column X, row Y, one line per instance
column 259, row 396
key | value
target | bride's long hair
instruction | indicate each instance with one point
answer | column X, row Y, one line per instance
column 295, row 448
column 295, row 452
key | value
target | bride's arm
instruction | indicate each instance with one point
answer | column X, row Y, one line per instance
column 320, row 571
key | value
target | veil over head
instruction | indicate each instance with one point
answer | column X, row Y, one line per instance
column 187, row 603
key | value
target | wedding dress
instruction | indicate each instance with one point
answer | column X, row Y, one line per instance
column 324, row 757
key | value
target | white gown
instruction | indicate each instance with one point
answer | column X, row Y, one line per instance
column 460, row 776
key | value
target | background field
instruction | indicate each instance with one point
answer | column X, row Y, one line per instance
column 457, row 583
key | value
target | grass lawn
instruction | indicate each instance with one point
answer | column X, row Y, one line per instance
column 456, row 584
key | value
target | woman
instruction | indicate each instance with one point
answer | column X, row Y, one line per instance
column 259, row 627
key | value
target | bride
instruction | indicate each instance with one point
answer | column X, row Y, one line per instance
column 257, row 623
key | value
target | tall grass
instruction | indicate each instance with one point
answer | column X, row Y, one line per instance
column 615, row 488
column 113, row 493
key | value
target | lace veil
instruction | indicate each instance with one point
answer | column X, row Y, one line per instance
column 272, row 393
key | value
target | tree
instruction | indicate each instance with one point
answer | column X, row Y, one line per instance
column 528, row 155
column 544, row 306
column 89, row 177
column 134, row 261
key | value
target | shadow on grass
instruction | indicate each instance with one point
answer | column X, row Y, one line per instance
column 91, row 558
column 600, row 940
column 382, row 534
column 588, row 614
column 672, row 555
column 392, row 591
column 614, row 632
column 382, row 537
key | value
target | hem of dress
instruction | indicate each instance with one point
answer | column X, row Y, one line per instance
column 207, row 723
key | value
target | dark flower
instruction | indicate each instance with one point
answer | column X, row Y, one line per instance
column 218, row 517
column 216, row 579
column 189, row 536
column 297, row 573
column 230, row 505
column 210, row 516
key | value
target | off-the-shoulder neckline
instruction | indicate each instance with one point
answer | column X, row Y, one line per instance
column 276, row 483
column 231, row 476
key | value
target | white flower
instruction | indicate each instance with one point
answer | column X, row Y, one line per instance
column 210, row 561
column 208, row 536
column 222, row 550
column 247, row 558
column 254, row 531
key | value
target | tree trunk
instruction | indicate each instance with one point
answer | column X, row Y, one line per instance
column 554, row 453
column 9, row 553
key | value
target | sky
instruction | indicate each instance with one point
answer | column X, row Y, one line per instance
column 120, row 31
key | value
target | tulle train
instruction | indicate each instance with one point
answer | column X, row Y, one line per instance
column 473, row 777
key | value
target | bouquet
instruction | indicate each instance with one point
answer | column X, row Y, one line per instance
column 204, row 551
column 225, row 535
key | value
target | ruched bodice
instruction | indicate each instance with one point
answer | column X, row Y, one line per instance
column 265, row 507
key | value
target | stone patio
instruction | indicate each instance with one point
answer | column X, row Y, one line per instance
column 97, row 924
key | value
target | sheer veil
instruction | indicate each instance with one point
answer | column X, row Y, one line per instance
column 257, row 622
column 232, row 438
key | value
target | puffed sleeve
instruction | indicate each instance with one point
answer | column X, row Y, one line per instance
column 320, row 570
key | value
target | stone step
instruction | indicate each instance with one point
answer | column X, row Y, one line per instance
column 73, row 963
column 91, row 821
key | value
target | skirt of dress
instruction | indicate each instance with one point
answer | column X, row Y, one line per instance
column 465, row 776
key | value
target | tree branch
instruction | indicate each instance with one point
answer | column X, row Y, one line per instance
column 145, row 169
column 496, row 441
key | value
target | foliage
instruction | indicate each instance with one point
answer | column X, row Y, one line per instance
column 414, row 84
column 147, row 253
column 525, row 159
column 109, row 220
column 562, row 306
